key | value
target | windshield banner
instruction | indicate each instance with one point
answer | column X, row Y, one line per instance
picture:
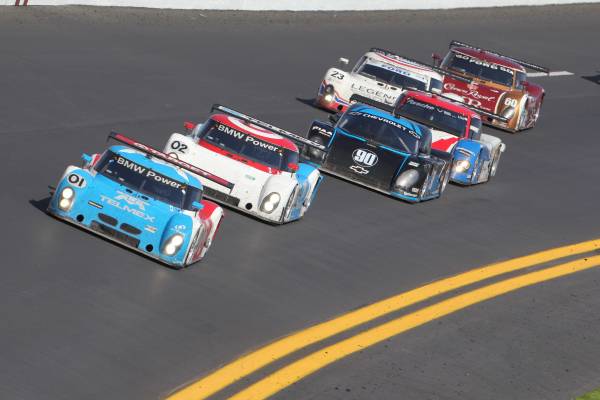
column 247, row 138
column 484, row 63
column 147, row 173
column 387, row 121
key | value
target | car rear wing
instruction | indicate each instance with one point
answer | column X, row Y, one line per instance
column 292, row 136
column 525, row 64
column 421, row 64
column 172, row 160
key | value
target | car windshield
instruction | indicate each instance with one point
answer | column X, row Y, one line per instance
column 147, row 181
column 433, row 116
column 380, row 130
column 248, row 146
column 391, row 75
column 479, row 69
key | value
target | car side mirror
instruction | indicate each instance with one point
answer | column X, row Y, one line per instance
column 334, row 118
column 343, row 62
column 197, row 206
column 293, row 167
column 189, row 126
column 87, row 159
column 437, row 59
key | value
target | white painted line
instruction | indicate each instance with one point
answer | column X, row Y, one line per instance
column 552, row 73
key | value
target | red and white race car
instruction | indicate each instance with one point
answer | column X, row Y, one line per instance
column 260, row 160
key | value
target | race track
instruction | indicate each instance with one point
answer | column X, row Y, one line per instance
column 83, row 318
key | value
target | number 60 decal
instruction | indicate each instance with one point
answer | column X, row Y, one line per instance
column 510, row 102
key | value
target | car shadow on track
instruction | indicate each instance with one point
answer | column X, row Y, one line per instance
column 594, row 79
column 42, row 205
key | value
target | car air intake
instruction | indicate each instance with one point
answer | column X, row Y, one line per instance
column 130, row 229
column 107, row 219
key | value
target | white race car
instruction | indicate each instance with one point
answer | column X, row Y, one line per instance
column 261, row 160
column 379, row 75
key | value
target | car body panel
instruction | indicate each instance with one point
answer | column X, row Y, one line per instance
column 252, row 181
column 376, row 165
column 134, row 219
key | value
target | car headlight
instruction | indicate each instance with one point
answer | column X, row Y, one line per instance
column 328, row 93
column 406, row 180
column 65, row 201
column 462, row 166
column 508, row 112
column 173, row 244
column 270, row 202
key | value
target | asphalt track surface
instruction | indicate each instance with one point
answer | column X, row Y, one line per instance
column 82, row 318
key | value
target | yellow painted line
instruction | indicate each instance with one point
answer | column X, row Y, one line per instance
column 256, row 360
column 300, row 369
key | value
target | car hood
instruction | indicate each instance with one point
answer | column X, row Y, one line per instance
column 477, row 94
column 374, row 90
column 128, row 206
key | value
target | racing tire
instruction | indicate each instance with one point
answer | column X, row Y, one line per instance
column 315, row 154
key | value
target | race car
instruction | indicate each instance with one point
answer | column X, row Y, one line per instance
column 497, row 84
column 141, row 198
column 262, row 162
column 379, row 75
column 456, row 129
column 372, row 147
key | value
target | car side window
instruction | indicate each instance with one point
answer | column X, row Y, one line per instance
column 359, row 64
column 475, row 129
column 520, row 79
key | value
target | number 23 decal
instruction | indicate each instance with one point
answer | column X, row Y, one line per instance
column 180, row 147
column 337, row 74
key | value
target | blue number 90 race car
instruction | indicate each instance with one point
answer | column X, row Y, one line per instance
column 141, row 198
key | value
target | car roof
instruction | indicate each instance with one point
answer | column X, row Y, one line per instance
column 160, row 166
column 403, row 63
column 255, row 131
column 489, row 57
column 419, row 129
column 442, row 102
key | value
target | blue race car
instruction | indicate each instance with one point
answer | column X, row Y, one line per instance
column 141, row 198
column 372, row 147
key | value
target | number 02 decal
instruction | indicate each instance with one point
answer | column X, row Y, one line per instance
column 180, row 147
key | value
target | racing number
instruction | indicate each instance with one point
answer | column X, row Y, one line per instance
column 510, row 102
column 337, row 74
column 177, row 145
column 76, row 180
column 365, row 157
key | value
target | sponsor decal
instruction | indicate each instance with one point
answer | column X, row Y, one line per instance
column 387, row 121
column 437, row 109
column 364, row 157
column 247, row 138
column 413, row 164
column 359, row 170
column 150, row 228
column 321, row 130
column 129, row 204
column 148, row 173
column 387, row 98
column 486, row 64
column 473, row 98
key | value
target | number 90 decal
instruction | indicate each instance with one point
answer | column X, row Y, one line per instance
column 76, row 180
